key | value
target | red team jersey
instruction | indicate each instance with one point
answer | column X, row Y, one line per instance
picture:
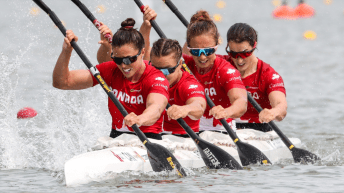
column 222, row 78
column 186, row 88
column 131, row 95
column 260, row 84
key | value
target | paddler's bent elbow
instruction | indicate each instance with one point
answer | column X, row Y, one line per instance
column 59, row 85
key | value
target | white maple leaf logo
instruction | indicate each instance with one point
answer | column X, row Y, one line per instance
column 230, row 71
column 275, row 76
column 193, row 86
column 160, row 78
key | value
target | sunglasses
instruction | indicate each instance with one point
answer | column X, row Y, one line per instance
column 206, row 51
column 126, row 60
column 167, row 71
column 242, row 55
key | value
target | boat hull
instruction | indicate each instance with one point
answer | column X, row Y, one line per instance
column 97, row 165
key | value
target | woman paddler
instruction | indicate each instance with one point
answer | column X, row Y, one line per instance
column 261, row 80
column 142, row 89
column 187, row 98
column 222, row 82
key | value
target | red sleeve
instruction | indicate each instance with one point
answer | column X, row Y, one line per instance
column 273, row 81
column 106, row 71
column 157, row 83
column 230, row 77
column 191, row 88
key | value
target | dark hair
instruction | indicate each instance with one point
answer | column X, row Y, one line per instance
column 128, row 35
column 201, row 23
column 240, row 32
column 165, row 47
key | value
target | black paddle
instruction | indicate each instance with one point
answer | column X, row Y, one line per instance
column 248, row 154
column 299, row 155
column 214, row 157
column 160, row 158
column 90, row 16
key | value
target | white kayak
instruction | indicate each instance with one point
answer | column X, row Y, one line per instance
column 127, row 153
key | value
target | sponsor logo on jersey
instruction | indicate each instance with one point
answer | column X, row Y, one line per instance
column 275, row 76
column 133, row 90
column 162, row 85
column 210, row 91
column 230, row 71
column 235, row 78
column 281, row 84
column 124, row 97
column 171, row 99
column 206, row 82
column 159, row 78
column 198, row 92
column 193, row 86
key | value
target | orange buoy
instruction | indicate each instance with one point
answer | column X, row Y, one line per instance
column 304, row 10
column 26, row 112
column 284, row 12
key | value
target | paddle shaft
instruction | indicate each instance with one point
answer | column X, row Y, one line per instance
column 93, row 70
column 175, row 10
column 153, row 23
column 90, row 16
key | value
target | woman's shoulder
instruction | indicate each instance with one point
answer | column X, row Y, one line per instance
column 107, row 67
column 265, row 68
column 222, row 64
column 153, row 74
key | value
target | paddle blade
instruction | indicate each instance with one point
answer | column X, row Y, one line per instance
column 216, row 158
column 303, row 156
column 161, row 159
column 250, row 155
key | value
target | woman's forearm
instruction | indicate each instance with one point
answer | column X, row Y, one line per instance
column 61, row 70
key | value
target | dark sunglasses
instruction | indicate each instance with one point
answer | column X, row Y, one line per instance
column 206, row 51
column 167, row 71
column 126, row 60
column 242, row 55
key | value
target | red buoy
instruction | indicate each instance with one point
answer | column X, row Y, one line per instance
column 304, row 10
column 26, row 112
column 284, row 12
